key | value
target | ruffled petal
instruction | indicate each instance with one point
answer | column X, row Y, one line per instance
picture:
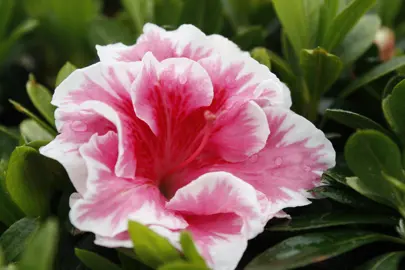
column 111, row 201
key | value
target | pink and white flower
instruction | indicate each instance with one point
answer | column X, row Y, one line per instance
column 183, row 131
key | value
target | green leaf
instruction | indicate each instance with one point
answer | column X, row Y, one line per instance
column 2, row 260
column 40, row 253
column 236, row 11
column 94, row 261
column 248, row 37
column 374, row 74
column 6, row 13
column 300, row 21
column 14, row 240
column 262, row 56
column 333, row 219
column 25, row 111
column 167, row 12
column 105, row 31
column 345, row 21
column 384, row 262
column 394, row 111
column 151, row 248
column 372, row 156
column 359, row 39
column 388, row 11
column 206, row 15
column 28, row 181
column 41, row 98
column 328, row 12
column 190, row 251
column 181, row 265
column 306, row 249
column 140, row 11
column 321, row 69
column 129, row 263
column 391, row 85
column 32, row 131
column 64, row 72
column 354, row 120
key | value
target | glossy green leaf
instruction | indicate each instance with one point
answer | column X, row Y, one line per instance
column 345, row 21
column 394, row 110
column 388, row 11
column 248, row 37
column 105, row 31
column 167, row 12
column 9, row 211
column 306, row 249
column 394, row 81
column 374, row 74
column 94, row 261
column 321, row 69
column 190, row 251
column 41, row 251
column 262, row 56
column 41, row 98
column 64, row 72
column 32, row 131
column 14, row 240
column 151, row 248
column 29, row 180
column 25, row 111
column 389, row 261
column 6, row 12
column 181, row 265
column 333, row 219
column 354, row 120
column 359, row 39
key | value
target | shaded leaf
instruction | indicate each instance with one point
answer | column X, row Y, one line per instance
column 333, row 219
column 248, row 37
column 189, row 249
column 206, row 15
column 140, row 11
column 151, row 248
column 94, row 261
column 306, row 249
column 167, row 12
column 388, row 11
column 14, row 240
column 32, row 131
column 41, row 251
column 394, row 110
column 105, row 31
column 384, row 262
column 262, row 56
column 41, row 98
column 374, row 74
column 6, row 12
column 354, row 120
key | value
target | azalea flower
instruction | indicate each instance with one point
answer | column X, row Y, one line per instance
column 183, row 131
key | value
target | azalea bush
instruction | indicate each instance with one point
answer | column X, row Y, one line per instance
column 212, row 134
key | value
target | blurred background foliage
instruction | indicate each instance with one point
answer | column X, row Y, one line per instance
column 343, row 60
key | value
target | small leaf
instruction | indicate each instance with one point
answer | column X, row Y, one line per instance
column 359, row 39
column 189, row 249
column 394, row 111
column 262, row 56
column 29, row 180
column 64, row 72
column 354, row 120
column 321, row 69
column 41, row 98
column 345, row 21
column 151, row 248
column 40, row 253
column 94, row 261
column 374, row 74
column 20, row 108
column 181, row 265
column 333, row 219
column 32, row 131
column 14, row 240
column 384, row 262
column 306, row 249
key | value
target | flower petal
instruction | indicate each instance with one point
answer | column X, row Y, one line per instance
column 166, row 93
column 111, row 201
column 240, row 132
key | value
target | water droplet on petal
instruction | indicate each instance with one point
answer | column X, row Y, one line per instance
column 278, row 161
column 307, row 168
column 79, row 126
